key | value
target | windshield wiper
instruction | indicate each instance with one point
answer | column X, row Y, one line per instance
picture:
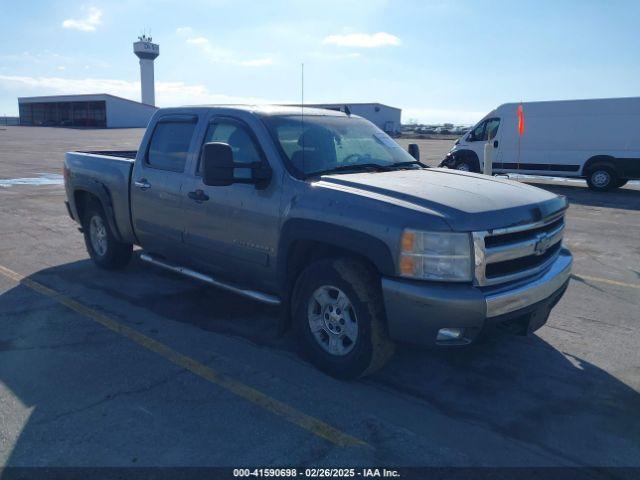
column 407, row 164
column 365, row 167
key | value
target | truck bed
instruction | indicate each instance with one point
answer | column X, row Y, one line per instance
column 99, row 172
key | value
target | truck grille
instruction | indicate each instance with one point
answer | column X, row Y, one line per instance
column 509, row 254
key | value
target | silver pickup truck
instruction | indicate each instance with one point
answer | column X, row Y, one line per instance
column 320, row 212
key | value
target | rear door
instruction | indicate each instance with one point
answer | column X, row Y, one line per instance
column 233, row 230
column 157, row 182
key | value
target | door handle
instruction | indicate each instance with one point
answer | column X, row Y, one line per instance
column 495, row 144
column 198, row 196
column 142, row 184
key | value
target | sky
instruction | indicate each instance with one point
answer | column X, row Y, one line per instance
column 440, row 61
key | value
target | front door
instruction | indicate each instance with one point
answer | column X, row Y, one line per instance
column 157, row 186
column 232, row 231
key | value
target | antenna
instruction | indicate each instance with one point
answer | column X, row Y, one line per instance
column 302, row 110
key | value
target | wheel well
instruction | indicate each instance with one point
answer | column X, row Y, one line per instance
column 82, row 198
column 598, row 160
column 305, row 252
column 470, row 156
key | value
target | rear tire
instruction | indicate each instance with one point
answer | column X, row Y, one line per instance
column 602, row 178
column 347, row 342
column 101, row 244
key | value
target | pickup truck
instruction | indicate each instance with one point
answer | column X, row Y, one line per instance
column 360, row 244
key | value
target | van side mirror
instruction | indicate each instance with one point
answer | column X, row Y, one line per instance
column 218, row 168
column 414, row 151
column 217, row 164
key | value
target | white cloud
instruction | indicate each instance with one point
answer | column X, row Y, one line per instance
column 184, row 30
column 217, row 54
column 167, row 93
column 198, row 41
column 362, row 40
column 92, row 19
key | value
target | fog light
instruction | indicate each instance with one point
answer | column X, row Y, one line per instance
column 449, row 334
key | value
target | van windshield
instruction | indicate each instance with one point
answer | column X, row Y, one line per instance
column 316, row 144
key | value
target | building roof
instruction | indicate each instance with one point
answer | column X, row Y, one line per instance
column 78, row 97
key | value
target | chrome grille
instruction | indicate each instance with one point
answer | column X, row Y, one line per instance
column 513, row 253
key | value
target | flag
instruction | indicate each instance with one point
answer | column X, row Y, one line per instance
column 520, row 120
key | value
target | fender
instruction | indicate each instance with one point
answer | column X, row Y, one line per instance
column 101, row 192
column 368, row 246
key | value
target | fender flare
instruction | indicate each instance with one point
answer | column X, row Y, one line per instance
column 101, row 192
column 362, row 244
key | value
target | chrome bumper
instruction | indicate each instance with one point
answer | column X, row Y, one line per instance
column 531, row 292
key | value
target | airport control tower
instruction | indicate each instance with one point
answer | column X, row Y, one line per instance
column 147, row 52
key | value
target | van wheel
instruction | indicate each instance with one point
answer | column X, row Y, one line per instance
column 102, row 246
column 339, row 318
column 602, row 178
column 463, row 166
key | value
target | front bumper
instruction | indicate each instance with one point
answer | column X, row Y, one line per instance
column 417, row 310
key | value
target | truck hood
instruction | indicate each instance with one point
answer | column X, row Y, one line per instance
column 466, row 201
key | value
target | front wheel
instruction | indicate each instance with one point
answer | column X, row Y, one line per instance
column 101, row 244
column 339, row 318
column 602, row 179
column 464, row 166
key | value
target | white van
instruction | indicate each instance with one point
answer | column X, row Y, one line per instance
column 598, row 140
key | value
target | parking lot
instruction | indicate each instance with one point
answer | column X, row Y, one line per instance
column 144, row 368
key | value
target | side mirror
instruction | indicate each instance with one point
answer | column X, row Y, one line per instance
column 218, row 168
column 217, row 164
column 414, row 151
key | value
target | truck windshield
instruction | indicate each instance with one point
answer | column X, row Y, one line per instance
column 318, row 144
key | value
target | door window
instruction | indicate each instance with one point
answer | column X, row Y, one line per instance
column 491, row 129
column 485, row 130
column 169, row 145
column 236, row 135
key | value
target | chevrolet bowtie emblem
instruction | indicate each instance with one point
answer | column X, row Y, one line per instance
column 542, row 243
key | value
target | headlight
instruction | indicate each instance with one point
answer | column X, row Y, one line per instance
column 440, row 256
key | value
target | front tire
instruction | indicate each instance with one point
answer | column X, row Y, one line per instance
column 339, row 318
column 602, row 178
column 464, row 166
column 103, row 248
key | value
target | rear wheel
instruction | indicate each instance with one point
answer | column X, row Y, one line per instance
column 339, row 318
column 602, row 178
column 101, row 244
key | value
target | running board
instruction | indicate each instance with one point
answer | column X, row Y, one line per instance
column 253, row 294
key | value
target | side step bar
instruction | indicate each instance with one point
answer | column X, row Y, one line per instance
column 253, row 294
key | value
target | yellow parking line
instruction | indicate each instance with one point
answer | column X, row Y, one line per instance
column 302, row 420
column 606, row 280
